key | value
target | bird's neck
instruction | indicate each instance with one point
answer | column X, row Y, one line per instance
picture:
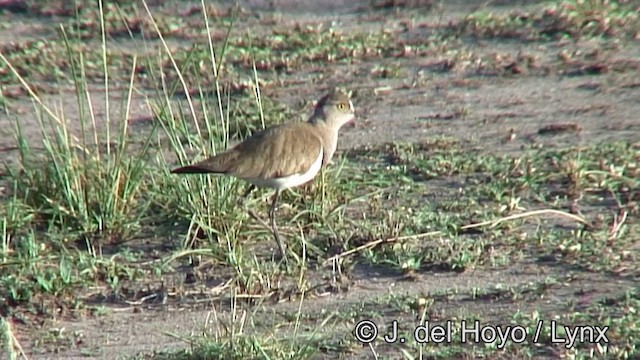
column 328, row 135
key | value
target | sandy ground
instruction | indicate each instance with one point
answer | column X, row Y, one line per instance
column 503, row 113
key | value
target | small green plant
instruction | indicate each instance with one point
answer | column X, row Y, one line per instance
column 85, row 188
column 84, row 185
column 569, row 18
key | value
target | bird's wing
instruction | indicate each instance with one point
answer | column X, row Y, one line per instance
column 278, row 152
column 272, row 153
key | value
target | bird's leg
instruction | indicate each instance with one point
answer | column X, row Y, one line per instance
column 243, row 203
column 272, row 216
column 274, row 227
column 244, row 197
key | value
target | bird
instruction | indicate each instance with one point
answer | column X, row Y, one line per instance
column 283, row 156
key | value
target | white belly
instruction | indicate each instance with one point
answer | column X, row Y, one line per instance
column 291, row 180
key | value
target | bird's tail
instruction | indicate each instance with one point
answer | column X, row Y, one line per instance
column 219, row 164
column 193, row 169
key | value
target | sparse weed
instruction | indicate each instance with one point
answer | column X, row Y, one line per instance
column 574, row 19
column 95, row 217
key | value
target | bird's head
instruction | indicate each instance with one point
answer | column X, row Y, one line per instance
column 334, row 109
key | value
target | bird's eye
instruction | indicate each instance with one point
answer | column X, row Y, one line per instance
column 342, row 106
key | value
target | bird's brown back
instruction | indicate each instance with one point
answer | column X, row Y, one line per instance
column 272, row 153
